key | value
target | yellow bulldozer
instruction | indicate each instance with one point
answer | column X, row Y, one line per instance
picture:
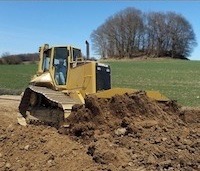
column 64, row 78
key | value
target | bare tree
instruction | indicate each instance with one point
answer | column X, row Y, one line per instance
column 130, row 33
column 5, row 54
column 120, row 35
column 157, row 33
column 99, row 42
column 181, row 36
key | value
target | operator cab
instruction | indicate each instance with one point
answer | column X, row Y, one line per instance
column 60, row 58
column 63, row 67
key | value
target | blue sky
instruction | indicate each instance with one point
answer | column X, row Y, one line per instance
column 24, row 26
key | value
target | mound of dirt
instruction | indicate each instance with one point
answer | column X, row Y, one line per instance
column 128, row 132
column 133, row 131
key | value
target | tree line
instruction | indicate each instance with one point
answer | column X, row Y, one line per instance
column 6, row 58
column 131, row 33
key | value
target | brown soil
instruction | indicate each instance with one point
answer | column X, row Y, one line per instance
column 129, row 132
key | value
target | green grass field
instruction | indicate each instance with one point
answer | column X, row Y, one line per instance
column 15, row 78
column 178, row 80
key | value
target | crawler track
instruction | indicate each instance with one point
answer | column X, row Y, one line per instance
column 52, row 107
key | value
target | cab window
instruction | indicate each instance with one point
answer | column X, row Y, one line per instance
column 60, row 63
column 76, row 54
column 46, row 60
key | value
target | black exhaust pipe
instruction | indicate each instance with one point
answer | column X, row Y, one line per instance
column 87, row 50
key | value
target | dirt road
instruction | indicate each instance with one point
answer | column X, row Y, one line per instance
column 128, row 132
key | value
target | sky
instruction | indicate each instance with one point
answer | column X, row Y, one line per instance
column 26, row 25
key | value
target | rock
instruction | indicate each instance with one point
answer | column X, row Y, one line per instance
column 8, row 165
column 178, row 166
column 21, row 120
column 170, row 127
column 26, row 147
column 120, row 131
column 164, row 139
column 130, row 163
column 166, row 163
column 165, row 129
column 187, row 142
column 49, row 162
column 157, row 140
column 1, row 155
column 151, row 159
column 134, row 156
column 148, row 123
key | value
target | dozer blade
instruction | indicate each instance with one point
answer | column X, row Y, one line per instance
column 40, row 104
column 155, row 95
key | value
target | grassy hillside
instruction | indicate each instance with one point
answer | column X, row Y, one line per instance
column 178, row 80
column 14, row 78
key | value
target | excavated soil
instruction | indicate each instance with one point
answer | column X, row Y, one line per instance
column 124, row 133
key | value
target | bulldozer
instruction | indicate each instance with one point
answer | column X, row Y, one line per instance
column 63, row 79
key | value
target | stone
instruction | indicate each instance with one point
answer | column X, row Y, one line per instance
column 120, row 131
column 149, row 123
column 8, row 165
column 165, row 163
column 151, row 159
column 26, row 147
column 164, row 139
column 130, row 163
column 22, row 121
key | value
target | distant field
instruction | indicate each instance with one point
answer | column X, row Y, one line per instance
column 14, row 78
column 178, row 80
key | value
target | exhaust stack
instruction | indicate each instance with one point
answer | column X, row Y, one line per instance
column 87, row 50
